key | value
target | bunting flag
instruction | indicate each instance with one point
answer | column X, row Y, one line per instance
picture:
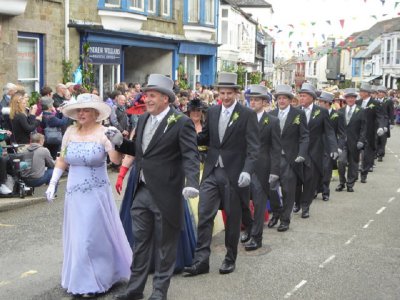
column 395, row 4
column 290, row 33
column 291, row 25
column 329, row 22
column 313, row 23
column 279, row 31
column 383, row 2
column 341, row 21
column 323, row 36
column 374, row 17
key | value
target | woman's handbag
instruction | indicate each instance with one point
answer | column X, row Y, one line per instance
column 53, row 135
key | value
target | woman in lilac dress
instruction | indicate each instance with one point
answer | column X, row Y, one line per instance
column 96, row 251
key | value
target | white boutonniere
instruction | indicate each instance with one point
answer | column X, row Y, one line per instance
column 172, row 119
column 357, row 110
column 334, row 116
column 234, row 118
column 296, row 120
column 371, row 106
column 316, row 113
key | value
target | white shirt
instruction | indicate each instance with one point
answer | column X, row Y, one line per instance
column 330, row 110
column 259, row 115
column 308, row 111
column 229, row 109
column 160, row 116
column 348, row 108
column 283, row 112
column 365, row 102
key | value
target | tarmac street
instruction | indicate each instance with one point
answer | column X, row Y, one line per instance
column 349, row 248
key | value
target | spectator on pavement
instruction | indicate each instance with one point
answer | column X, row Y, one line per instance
column 59, row 95
column 4, row 189
column 119, row 117
column 8, row 91
column 41, row 170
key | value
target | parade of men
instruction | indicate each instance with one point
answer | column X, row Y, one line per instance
column 201, row 149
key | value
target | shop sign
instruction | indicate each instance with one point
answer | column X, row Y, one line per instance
column 105, row 54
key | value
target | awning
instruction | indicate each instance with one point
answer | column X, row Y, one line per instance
column 371, row 78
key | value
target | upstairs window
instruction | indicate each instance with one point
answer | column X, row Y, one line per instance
column 193, row 11
column 136, row 4
column 200, row 12
column 397, row 59
column 209, row 12
column 112, row 3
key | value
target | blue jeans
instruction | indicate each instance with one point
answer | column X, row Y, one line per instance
column 35, row 182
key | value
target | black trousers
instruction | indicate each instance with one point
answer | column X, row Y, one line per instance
column 368, row 156
column 380, row 145
column 151, row 231
column 288, row 180
column 309, row 187
column 327, row 175
column 347, row 160
column 217, row 190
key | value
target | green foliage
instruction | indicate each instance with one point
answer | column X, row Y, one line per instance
column 255, row 77
column 87, row 68
column 398, row 84
column 345, row 84
column 67, row 71
column 33, row 98
column 227, row 67
column 182, row 78
column 241, row 78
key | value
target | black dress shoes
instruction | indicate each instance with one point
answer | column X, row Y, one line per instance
column 296, row 208
column 197, row 269
column 129, row 296
column 305, row 214
column 380, row 158
column 253, row 244
column 350, row 189
column 325, row 197
column 245, row 236
column 363, row 179
column 339, row 188
column 227, row 267
column 274, row 220
column 283, row 227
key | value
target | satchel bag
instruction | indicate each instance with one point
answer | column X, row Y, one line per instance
column 53, row 135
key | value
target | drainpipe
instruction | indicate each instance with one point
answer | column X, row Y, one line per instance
column 66, row 29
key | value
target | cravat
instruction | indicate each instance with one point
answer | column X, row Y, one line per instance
column 348, row 116
column 281, row 117
column 222, row 124
column 308, row 113
column 151, row 126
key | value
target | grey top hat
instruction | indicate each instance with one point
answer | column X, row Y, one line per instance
column 161, row 84
column 283, row 89
column 381, row 88
column 227, row 80
column 309, row 89
column 350, row 92
column 259, row 91
column 325, row 96
column 365, row 87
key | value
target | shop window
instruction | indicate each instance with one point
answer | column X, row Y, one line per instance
column 30, row 61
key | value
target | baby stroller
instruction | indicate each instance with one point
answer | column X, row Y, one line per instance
column 19, row 162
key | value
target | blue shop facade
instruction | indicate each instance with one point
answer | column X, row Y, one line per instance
column 132, row 57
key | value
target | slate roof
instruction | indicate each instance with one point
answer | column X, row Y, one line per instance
column 252, row 3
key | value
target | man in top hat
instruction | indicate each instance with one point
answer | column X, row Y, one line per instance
column 375, row 122
column 265, row 178
column 351, row 117
column 231, row 134
column 167, row 161
column 318, row 124
column 387, row 109
column 325, row 100
column 294, row 141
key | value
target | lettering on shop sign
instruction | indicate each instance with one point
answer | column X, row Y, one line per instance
column 105, row 54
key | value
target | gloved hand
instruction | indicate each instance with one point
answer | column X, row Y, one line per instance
column 391, row 127
column 299, row 159
column 339, row 151
column 51, row 189
column 244, row 179
column 385, row 129
column 114, row 135
column 360, row 145
column 380, row 132
column 273, row 181
column 190, row 192
column 334, row 155
column 122, row 172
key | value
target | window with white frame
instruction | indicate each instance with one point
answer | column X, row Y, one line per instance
column 165, row 7
column 193, row 11
column 113, row 3
column 397, row 54
column 28, row 62
column 136, row 4
column 151, row 8
column 315, row 68
column 209, row 12
column 388, row 50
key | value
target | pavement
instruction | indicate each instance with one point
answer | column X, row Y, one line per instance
column 349, row 248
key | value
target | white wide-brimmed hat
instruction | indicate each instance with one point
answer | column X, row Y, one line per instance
column 227, row 80
column 285, row 90
column 325, row 96
column 87, row 101
column 161, row 84
column 308, row 88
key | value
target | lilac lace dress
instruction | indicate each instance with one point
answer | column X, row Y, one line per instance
column 96, row 251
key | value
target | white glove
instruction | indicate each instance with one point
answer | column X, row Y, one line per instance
column 114, row 135
column 334, row 155
column 385, row 129
column 391, row 127
column 244, row 179
column 190, row 192
column 299, row 159
column 360, row 145
column 380, row 132
column 51, row 190
column 273, row 181
column 339, row 151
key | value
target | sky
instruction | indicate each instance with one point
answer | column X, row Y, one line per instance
column 299, row 24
